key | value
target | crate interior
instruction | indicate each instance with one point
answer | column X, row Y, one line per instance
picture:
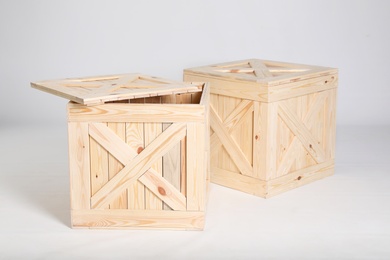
column 180, row 98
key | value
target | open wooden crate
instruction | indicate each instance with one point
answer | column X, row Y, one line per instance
column 138, row 151
column 273, row 124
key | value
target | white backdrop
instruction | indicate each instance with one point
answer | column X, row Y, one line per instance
column 56, row 39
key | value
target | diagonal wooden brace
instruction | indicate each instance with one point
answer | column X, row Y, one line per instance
column 137, row 165
column 231, row 146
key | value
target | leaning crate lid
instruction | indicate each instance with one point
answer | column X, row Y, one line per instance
column 263, row 72
column 101, row 89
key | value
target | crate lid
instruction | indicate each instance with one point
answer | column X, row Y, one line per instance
column 263, row 71
column 101, row 89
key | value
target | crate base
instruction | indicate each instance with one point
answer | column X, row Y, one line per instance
column 267, row 189
column 137, row 219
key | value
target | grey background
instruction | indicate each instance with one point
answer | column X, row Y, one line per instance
column 57, row 39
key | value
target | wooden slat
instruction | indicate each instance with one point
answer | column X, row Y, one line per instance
column 171, row 165
column 99, row 166
column 264, row 140
column 260, row 69
column 239, row 182
column 111, row 142
column 302, row 87
column 135, row 141
column 231, row 87
column 331, row 123
column 152, row 131
column 141, row 219
column 79, row 167
column 196, row 177
column 114, row 166
column 302, row 133
column 235, row 152
column 139, row 165
column 235, row 119
column 300, row 177
column 117, row 112
column 164, row 190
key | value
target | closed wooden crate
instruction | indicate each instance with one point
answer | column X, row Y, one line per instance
column 137, row 151
column 272, row 124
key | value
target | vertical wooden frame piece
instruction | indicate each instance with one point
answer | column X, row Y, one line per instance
column 264, row 140
column 196, row 176
column 79, row 166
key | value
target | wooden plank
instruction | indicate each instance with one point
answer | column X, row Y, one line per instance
column 135, row 141
column 183, row 166
column 119, row 218
column 302, row 133
column 171, row 165
column 228, row 106
column 331, row 124
column 235, row 119
column 239, row 182
column 139, row 165
column 196, row 176
column 152, row 131
column 111, row 142
column 117, row 112
column 231, row 147
column 231, row 87
column 300, row 177
column 164, row 190
column 99, row 166
column 302, row 87
column 79, row 167
column 114, row 166
column 215, row 150
column 264, row 140
column 260, row 69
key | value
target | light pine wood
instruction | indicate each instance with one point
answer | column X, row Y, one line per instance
column 116, row 151
column 152, row 113
column 236, row 154
column 137, row 166
column 99, row 166
column 152, row 179
column 180, row 220
column 135, row 140
column 114, row 166
column 269, row 121
column 267, row 189
column 171, row 165
column 79, row 166
column 164, row 190
column 196, row 177
column 97, row 90
column 152, row 131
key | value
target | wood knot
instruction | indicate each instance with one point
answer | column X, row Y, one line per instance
column 299, row 177
column 326, row 81
column 257, row 137
column 162, row 191
column 311, row 147
column 140, row 149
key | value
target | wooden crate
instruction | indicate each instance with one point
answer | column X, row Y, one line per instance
column 273, row 124
column 137, row 151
